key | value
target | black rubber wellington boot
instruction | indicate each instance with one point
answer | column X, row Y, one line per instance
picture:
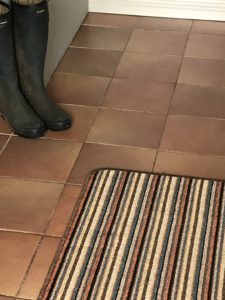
column 13, row 106
column 31, row 36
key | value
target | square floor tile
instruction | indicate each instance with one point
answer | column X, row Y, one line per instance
column 4, row 127
column 206, row 72
column 106, row 38
column 93, row 156
column 36, row 276
column 16, row 251
column 3, row 140
column 83, row 118
column 38, row 159
column 160, row 68
column 206, row 46
column 209, row 27
column 199, row 101
column 157, row 42
column 65, row 207
column 27, row 205
column 186, row 164
column 78, row 89
column 163, row 24
column 90, row 62
column 140, row 95
column 111, row 20
column 127, row 128
column 194, row 135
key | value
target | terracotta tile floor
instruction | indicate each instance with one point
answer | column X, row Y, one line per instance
column 145, row 94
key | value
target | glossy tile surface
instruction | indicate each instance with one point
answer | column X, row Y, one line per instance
column 209, row 27
column 157, row 42
column 127, row 128
column 69, row 88
column 95, row 156
column 157, row 68
column 164, row 24
column 187, row 164
column 205, row 101
column 38, row 159
column 90, row 62
column 37, row 273
column 139, row 95
column 194, row 135
column 206, row 46
column 16, row 250
column 102, row 38
column 202, row 71
column 27, row 205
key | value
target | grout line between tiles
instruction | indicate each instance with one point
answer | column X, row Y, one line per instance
column 171, row 100
column 33, row 179
column 97, row 49
column 5, row 134
column 204, row 58
column 83, row 144
column 11, row 297
column 158, row 149
column 124, row 51
column 81, row 74
column 21, row 232
column 105, row 26
column 94, row 48
column 136, row 28
column 208, row 33
column 192, row 153
column 142, row 79
column 119, row 145
column 42, row 236
column 197, row 116
column 29, row 267
column 93, row 121
column 6, row 144
column 103, row 98
column 110, row 82
column 137, row 111
column 133, row 110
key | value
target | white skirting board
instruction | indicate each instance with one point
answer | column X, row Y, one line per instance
column 188, row 9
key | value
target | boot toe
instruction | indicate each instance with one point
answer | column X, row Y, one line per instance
column 30, row 130
column 60, row 125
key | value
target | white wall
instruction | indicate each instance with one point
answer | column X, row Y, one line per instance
column 66, row 17
column 190, row 9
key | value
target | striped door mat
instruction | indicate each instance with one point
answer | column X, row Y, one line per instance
column 143, row 236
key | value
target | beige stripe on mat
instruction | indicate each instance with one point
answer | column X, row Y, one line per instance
column 3, row 9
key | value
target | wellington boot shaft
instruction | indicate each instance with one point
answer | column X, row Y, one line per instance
column 13, row 105
column 31, row 37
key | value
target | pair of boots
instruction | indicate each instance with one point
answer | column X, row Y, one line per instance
column 23, row 42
